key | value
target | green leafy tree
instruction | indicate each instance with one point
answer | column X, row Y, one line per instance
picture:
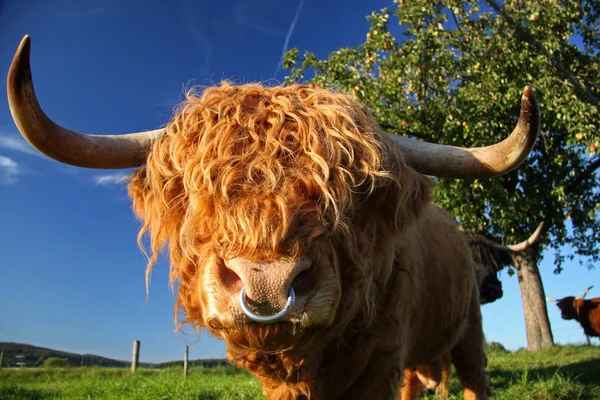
column 56, row 362
column 452, row 72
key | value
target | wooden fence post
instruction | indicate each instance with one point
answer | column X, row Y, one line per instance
column 136, row 355
column 1, row 356
column 185, row 361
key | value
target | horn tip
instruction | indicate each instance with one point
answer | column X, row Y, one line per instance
column 25, row 45
column 22, row 53
column 529, row 97
column 530, row 114
column 19, row 72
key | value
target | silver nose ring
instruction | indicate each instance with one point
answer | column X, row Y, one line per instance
column 266, row 318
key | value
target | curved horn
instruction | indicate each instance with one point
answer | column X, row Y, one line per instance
column 584, row 293
column 524, row 245
column 479, row 162
column 64, row 145
column 550, row 299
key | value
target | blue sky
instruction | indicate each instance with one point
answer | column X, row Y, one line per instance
column 71, row 274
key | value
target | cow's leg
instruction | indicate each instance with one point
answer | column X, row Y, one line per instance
column 430, row 374
column 433, row 375
column 443, row 389
column 588, row 340
column 469, row 359
column 411, row 385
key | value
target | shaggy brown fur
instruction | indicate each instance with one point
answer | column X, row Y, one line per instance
column 282, row 173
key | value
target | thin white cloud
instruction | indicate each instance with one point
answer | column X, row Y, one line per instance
column 289, row 35
column 17, row 143
column 9, row 170
column 110, row 179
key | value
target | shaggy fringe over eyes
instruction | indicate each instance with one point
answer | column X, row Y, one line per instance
column 256, row 172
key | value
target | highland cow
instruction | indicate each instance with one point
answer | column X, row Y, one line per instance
column 299, row 232
column 489, row 258
column 586, row 312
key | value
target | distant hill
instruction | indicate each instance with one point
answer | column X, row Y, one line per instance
column 33, row 356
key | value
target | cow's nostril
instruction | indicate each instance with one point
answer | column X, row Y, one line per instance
column 229, row 280
column 305, row 280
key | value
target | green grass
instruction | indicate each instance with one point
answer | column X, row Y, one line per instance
column 567, row 372
column 119, row 383
column 560, row 373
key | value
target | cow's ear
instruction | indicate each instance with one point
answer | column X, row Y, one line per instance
column 147, row 206
column 400, row 201
column 159, row 202
column 415, row 194
column 402, row 198
column 420, row 192
column 139, row 192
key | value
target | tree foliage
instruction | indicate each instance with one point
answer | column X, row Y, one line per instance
column 453, row 72
column 56, row 362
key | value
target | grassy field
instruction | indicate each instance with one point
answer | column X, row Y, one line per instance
column 569, row 373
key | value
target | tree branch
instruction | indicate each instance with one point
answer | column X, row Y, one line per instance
column 456, row 22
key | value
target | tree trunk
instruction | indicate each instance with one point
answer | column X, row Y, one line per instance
column 537, row 325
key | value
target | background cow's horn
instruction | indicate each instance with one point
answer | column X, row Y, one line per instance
column 64, row 145
column 525, row 244
column 550, row 299
column 584, row 293
column 479, row 162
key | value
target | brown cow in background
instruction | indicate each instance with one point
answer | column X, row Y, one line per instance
column 586, row 312
column 300, row 233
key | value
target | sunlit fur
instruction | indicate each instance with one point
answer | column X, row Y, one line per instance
column 267, row 173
